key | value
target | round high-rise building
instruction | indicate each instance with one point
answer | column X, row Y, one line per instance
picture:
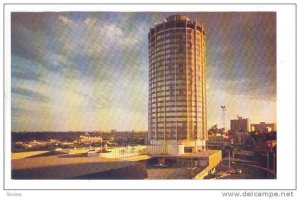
column 177, row 83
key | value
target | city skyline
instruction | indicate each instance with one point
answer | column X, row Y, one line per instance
column 88, row 71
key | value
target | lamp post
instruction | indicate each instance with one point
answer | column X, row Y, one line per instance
column 268, row 165
column 229, row 160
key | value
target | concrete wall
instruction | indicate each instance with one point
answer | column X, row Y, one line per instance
column 186, row 143
column 124, row 152
column 170, row 149
column 155, row 150
column 136, row 171
column 175, row 149
column 214, row 159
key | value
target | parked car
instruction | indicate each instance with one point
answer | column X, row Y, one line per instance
column 238, row 171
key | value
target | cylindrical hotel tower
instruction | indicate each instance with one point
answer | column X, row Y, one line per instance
column 177, row 83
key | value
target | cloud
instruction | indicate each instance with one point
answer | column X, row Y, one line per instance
column 24, row 69
column 248, row 87
column 95, row 62
column 25, row 75
column 15, row 110
column 30, row 94
column 90, row 46
column 65, row 20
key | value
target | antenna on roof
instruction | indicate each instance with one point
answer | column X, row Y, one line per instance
column 223, row 117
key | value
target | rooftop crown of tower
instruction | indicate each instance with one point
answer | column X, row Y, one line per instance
column 178, row 17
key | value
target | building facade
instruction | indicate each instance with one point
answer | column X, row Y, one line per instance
column 263, row 127
column 240, row 125
column 177, row 82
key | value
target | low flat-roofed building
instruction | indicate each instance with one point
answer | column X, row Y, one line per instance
column 131, row 166
column 185, row 166
column 69, row 166
column 263, row 127
column 239, row 125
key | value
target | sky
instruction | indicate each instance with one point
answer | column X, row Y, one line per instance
column 89, row 70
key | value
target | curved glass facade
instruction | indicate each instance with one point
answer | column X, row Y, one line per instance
column 177, row 84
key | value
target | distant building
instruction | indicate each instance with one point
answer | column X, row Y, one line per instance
column 177, row 93
column 218, row 142
column 239, row 125
column 263, row 127
column 146, row 140
column 265, row 146
column 241, row 138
